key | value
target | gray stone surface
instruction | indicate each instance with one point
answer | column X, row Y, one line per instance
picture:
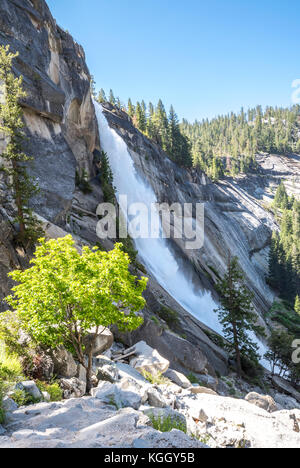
column 262, row 401
column 178, row 378
column 72, row 388
column 30, row 388
column 118, row 396
column 64, row 363
column 100, row 342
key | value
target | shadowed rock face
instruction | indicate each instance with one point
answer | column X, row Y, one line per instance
column 58, row 111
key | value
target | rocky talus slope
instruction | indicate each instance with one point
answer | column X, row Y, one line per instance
column 126, row 410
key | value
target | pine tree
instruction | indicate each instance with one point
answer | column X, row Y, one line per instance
column 11, row 124
column 101, row 96
column 140, row 117
column 280, row 196
column 236, row 315
column 93, row 87
column 112, row 99
column 160, row 125
column 130, row 108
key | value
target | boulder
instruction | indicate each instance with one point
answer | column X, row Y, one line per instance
column 126, row 371
column 148, row 360
column 115, row 395
column 64, row 363
column 108, row 372
column 262, row 401
column 156, row 398
column 2, row 430
column 72, row 388
column 9, row 405
column 197, row 389
column 81, row 373
column 103, row 341
column 286, row 402
column 46, row 396
column 182, row 355
column 285, row 387
column 208, row 381
column 30, row 388
column 178, row 378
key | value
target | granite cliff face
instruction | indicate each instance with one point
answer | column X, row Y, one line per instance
column 58, row 110
column 59, row 116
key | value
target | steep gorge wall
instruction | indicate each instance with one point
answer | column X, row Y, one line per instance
column 59, row 118
column 58, row 110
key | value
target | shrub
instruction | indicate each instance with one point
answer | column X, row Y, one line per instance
column 158, row 379
column 166, row 424
column 53, row 388
column 170, row 316
column 155, row 320
column 23, row 399
column 10, row 368
column 193, row 379
column 82, row 182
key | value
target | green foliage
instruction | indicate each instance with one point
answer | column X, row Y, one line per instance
column 106, row 179
column 169, row 315
column 280, row 356
column 53, row 388
column 157, row 379
column 163, row 129
column 234, row 139
column 23, row 399
column 129, row 249
column 64, row 294
column 10, row 368
column 11, row 124
column 167, row 423
column 284, row 314
column 82, row 182
column 10, row 374
column 236, row 315
column 192, row 378
column 297, row 305
column 101, row 96
column 284, row 257
column 155, row 320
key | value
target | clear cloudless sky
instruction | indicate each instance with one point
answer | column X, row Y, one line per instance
column 204, row 57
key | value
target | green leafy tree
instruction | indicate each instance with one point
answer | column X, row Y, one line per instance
column 65, row 294
column 11, row 124
column 236, row 315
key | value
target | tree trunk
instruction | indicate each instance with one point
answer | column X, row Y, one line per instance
column 237, row 352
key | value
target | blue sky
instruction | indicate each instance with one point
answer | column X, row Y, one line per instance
column 204, row 57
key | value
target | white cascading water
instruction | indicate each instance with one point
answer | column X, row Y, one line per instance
column 172, row 274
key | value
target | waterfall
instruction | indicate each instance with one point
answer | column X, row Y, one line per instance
column 173, row 274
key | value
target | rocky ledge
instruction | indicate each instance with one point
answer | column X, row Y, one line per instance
column 163, row 410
